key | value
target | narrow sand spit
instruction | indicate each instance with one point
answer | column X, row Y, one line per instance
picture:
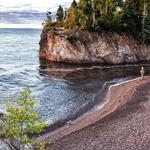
column 121, row 123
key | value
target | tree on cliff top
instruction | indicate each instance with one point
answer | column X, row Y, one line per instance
column 71, row 20
column 146, row 22
column 114, row 15
column 133, row 15
column 49, row 16
column 74, row 4
column 60, row 14
column 21, row 119
column 85, row 14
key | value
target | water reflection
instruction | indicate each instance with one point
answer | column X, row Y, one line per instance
column 71, row 88
column 63, row 90
column 86, row 73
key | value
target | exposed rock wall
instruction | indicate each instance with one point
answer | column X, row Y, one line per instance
column 84, row 47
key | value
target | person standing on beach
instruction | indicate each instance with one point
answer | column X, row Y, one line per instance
column 142, row 73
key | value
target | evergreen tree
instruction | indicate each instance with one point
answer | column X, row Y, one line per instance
column 99, row 6
column 49, row 16
column 60, row 14
column 133, row 15
column 72, row 18
column 146, row 21
column 74, row 4
column 119, row 3
column 129, row 15
column 85, row 14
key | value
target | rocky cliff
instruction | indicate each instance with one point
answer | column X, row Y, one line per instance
column 84, row 47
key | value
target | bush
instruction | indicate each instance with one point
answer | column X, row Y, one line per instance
column 21, row 119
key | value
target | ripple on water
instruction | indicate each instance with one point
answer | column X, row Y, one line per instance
column 62, row 90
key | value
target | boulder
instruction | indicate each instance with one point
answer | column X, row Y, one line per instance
column 4, row 145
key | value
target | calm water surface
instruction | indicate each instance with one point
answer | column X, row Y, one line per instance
column 62, row 90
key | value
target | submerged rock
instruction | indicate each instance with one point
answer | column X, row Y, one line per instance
column 2, row 127
column 84, row 47
column 5, row 145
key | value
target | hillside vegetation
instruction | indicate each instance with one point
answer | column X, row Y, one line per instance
column 97, row 15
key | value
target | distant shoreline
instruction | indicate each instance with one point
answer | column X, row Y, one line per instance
column 20, row 26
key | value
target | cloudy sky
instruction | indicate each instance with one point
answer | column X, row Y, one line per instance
column 27, row 13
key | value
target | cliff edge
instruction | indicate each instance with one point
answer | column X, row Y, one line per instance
column 92, row 47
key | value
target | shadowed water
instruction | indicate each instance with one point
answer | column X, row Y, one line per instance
column 63, row 90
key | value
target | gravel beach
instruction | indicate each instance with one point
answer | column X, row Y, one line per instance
column 122, row 123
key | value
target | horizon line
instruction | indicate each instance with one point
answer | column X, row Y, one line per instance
column 20, row 26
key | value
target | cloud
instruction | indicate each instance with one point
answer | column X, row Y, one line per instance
column 13, row 17
column 18, row 12
column 38, row 5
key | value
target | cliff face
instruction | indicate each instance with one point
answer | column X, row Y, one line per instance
column 84, row 47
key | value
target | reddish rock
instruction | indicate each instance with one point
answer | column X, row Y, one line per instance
column 84, row 47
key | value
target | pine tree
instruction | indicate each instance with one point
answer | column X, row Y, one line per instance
column 133, row 15
column 49, row 16
column 85, row 14
column 146, row 21
column 74, row 4
column 120, row 15
column 72, row 18
column 60, row 14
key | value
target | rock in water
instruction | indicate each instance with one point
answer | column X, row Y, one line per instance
column 85, row 47
column 2, row 127
column 4, row 146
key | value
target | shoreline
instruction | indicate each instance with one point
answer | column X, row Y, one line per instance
column 110, row 104
column 97, row 101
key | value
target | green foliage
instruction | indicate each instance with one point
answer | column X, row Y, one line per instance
column 60, row 14
column 21, row 119
column 118, row 15
column 146, row 29
column 74, row 4
column 49, row 16
column 71, row 20
column 41, row 145
column 85, row 14
column 146, row 22
column 132, row 15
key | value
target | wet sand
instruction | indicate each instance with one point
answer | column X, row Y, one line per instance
column 121, row 123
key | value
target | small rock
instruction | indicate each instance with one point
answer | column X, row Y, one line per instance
column 27, row 147
column 69, row 122
column 2, row 127
column 4, row 146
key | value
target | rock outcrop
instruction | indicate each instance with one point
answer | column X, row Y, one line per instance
column 84, row 47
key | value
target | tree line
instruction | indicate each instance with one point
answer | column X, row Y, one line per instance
column 97, row 15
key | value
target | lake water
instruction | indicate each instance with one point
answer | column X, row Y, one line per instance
column 62, row 90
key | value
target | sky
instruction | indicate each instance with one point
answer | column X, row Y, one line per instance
column 27, row 13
